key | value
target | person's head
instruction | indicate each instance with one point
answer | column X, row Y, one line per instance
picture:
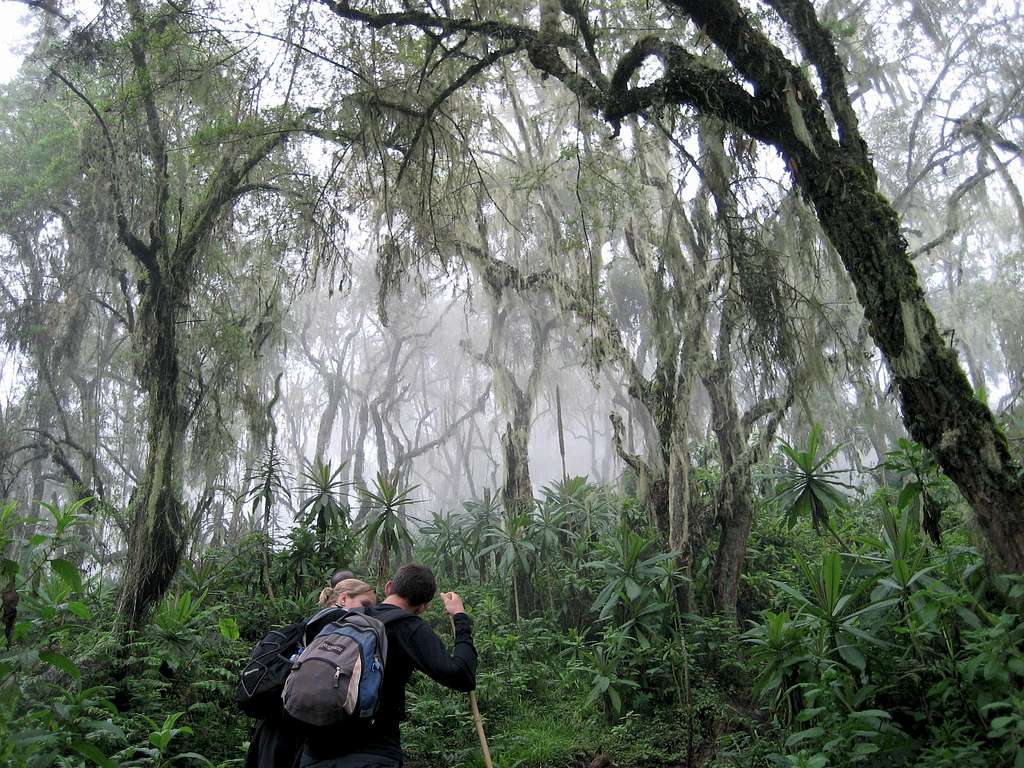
column 340, row 576
column 353, row 593
column 415, row 584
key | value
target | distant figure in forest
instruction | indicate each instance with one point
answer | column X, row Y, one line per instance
column 341, row 575
column 412, row 645
column 276, row 742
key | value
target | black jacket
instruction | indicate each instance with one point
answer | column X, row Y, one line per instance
column 412, row 645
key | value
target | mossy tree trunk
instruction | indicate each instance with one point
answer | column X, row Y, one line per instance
column 734, row 499
column 838, row 178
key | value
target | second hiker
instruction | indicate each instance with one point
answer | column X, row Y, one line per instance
column 412, row 645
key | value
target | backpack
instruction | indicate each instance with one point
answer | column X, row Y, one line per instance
column 338, row 676
column 261, row 681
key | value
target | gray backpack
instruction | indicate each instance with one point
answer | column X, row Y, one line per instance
column 338, row 676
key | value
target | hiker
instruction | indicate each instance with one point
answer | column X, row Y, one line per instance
column 347, row 593
column 276, row 743
column 412, row 645
column 341, row 575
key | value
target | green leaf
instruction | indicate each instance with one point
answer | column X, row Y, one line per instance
column 615, row 699
column 874, row 714
column 62, row 662
column 865, row 748
column 195, row 756
column 92, row 752
column 810, row 733
column 853, row 656
column 910, row 492
column 229, row 627
column 81, row 610
column 68, row 572
column 633, row 590
column 1000, row 723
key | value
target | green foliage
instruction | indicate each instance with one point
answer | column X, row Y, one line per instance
column 924, row 489
column 807, row 489
column 324, row 500
column 890, row 652
column 156, row 755
column 269, row 483
column 631, row 567
column 386, row 530
column 884, row 657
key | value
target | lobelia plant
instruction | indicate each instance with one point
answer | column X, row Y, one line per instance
column 832, row 612
column 386, row 530
column 513, row 549
column 323, row 502
column 807, row 489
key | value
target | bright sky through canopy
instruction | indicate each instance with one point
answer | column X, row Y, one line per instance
column 12, row 38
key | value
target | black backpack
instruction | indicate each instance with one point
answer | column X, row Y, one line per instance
column 262, row 680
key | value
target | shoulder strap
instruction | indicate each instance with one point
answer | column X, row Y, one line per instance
column 324, row 612
column 319, row 620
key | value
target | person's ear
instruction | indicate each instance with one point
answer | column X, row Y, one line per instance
column 389, row 588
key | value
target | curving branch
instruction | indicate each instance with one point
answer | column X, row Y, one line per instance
column 818, row 47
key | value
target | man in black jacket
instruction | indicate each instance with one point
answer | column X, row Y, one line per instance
column 412, row 645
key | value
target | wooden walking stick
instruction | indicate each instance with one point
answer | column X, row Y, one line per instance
column 476, row 715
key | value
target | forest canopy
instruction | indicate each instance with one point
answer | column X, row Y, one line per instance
column 684, row 338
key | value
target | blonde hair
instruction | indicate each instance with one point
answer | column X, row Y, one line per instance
column 329, row 596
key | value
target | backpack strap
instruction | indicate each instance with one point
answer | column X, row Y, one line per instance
column 319, row 620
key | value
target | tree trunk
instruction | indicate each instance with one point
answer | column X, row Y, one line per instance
column 326, row 426
column 517, row 490
column 157, row 535
column 359, row 460
column 939, row 406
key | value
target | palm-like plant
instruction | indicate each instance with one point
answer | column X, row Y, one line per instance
column 779, row 653
column 513, row 549
column 386, row 529
column 808, row 488
column 584, row 506
column 324, row 499
column 300, row 559
column 549, row 531
column 608, row 684
column 444, row 541
column 269, row 483
column 633, row 571
column 832, row 610
column 480, row 518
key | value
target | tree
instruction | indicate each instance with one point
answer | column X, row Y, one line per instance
column 181, row 204
column 834, row 171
